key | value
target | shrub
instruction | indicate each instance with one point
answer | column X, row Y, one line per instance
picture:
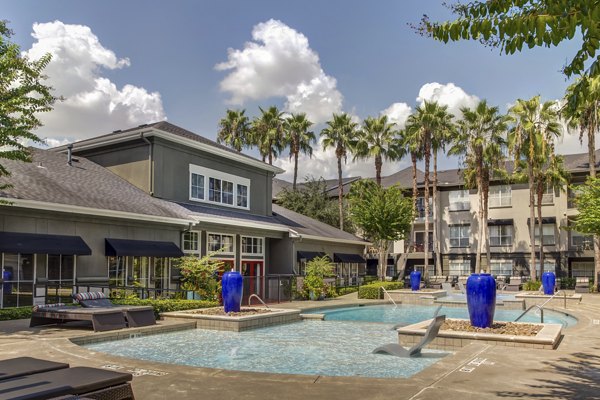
column 166, row 305
column 347, row 290
column 7, row 314
column 200, row 274
column 532, row 285
column 567, row 283
column 373, row 290
column 314, row 286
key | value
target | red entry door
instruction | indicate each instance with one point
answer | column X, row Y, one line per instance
column 254, row 280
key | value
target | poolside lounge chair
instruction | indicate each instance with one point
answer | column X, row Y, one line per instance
column 80, row 382
column 135, row 315
column 435, row 282
column 21, row 366
column 395, row 349
column 514, row 284
column 102, row 319
column 447, row 286
column 461, row 287
column 582, row 284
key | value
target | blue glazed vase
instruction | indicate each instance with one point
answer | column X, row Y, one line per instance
column 415, row 280
column 232, row 283
column 481, row 299
column 549, row 281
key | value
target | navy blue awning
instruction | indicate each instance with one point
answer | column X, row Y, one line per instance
column 309, row 255
column 36, row 243
column 545, row 220
column 496, row 222
column 141, row 248
column 348, row 258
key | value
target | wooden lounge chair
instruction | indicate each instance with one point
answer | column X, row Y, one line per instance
column 102, row 319
column 395, row 349
column 80, row 382
column 21, row 366
column 582, row 284
column 435, row 282
column 514, row 284
column 135, row 315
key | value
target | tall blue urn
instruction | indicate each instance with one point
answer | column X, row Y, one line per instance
column 548, row 281
column 415, row 280
column 481, row 299
column 232, row 287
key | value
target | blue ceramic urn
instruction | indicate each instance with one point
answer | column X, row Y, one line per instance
column 548, row 281
column 232, row 287
column 415, row 280
column 481, row 299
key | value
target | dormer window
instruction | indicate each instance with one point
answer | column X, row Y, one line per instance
column 221, row 188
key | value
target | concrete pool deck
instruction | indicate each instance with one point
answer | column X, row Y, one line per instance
column 476, row 371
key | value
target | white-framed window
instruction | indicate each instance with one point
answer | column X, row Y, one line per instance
column 459, row 235
column 581, row 241
column 501, row 267
column 421, row 207
column 548, row 196
column 421, row 269
column 191, row 242
column 582, row 268
column 252, row 245
column 548, row 234
column 501, row 235
column 459, row 267
column 218, row 241
column 211, row 186
column 549, row 266
column 500, row 196
column 459, row 200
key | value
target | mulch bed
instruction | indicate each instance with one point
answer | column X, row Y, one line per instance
column 500, row 328
column 220, row 311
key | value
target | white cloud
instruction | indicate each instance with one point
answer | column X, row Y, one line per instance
column 449, row 94
column 280, row 63
column 93, row 104
column 398, row 113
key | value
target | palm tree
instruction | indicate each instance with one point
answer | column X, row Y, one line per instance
column 234, row 130
column 582, row 110
column 535, row 127
column 377, row 140
column 479, row 144
column 267, row 133
column 429, row 123
column 341, row 134
column 300, row 139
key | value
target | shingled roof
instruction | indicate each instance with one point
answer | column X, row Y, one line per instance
column 50, row 179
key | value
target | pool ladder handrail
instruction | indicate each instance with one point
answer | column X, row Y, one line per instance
column 259, row 299
column 541, row 307
column 389, row 296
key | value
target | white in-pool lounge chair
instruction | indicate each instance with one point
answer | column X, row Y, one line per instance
column 394, row 349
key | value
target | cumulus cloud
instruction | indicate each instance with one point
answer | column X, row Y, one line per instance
column 447, row 94
column 398, row 113
column 93, row 104
column 279, row 62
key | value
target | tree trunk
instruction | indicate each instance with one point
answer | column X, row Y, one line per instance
column 532, row 271
column 592, row 165
column 340, row 193
column 486, row 233
column 415, row 193
column 378, row 163
column 540, row 196
column 480, row 220
column 383, row 247
column 436, row 244
column 427, row 208
column 295, row 170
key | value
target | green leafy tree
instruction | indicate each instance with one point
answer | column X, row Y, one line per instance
column 23, row 96
column 234, row 130
column 311, row 199
column 314, row 286
column 479, row 143
column 582, row 111
column 342, row 134
column 200, row 275
column 513, row 24
column 267, row 133
column 383, row 215
column 299, row 138
column 588, row 205
column 535, row 127
column 377, row 140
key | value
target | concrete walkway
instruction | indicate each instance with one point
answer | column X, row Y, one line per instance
column 476, row 372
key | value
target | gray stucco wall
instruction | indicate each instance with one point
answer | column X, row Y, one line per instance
column 171, row 175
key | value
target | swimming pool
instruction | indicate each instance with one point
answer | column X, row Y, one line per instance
column 410, row 314
column 331, row 348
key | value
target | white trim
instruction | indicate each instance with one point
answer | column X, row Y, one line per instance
column 238, row 223
column 207, row 174
column 262, row 246
column 42, row 205
column 151, row 131
column 227, row 253
column 336, row 240
column 199, row 242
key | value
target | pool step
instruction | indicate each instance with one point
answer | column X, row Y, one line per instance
column 313, row 316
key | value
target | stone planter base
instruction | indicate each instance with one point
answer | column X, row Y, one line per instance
column 532, row 298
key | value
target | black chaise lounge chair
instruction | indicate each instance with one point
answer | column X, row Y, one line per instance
column 21, row 366
column 395, row 349
column 102, row 319
column 79, row 382
column 135, row 315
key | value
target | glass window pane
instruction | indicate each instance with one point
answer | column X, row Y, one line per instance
column 214, row 190
column 242, row 196
column 197, row 186
column 227, row 192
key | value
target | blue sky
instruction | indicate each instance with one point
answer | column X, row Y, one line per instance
column 156, row 59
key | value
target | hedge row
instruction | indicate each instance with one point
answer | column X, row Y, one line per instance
column 373, row 290
column 341, row 291
column 7, row 314
column 166, row 305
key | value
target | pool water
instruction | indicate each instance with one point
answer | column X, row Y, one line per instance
column 329, row 348
column 410, row 314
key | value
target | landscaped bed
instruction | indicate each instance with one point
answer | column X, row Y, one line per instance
column 498, row 328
